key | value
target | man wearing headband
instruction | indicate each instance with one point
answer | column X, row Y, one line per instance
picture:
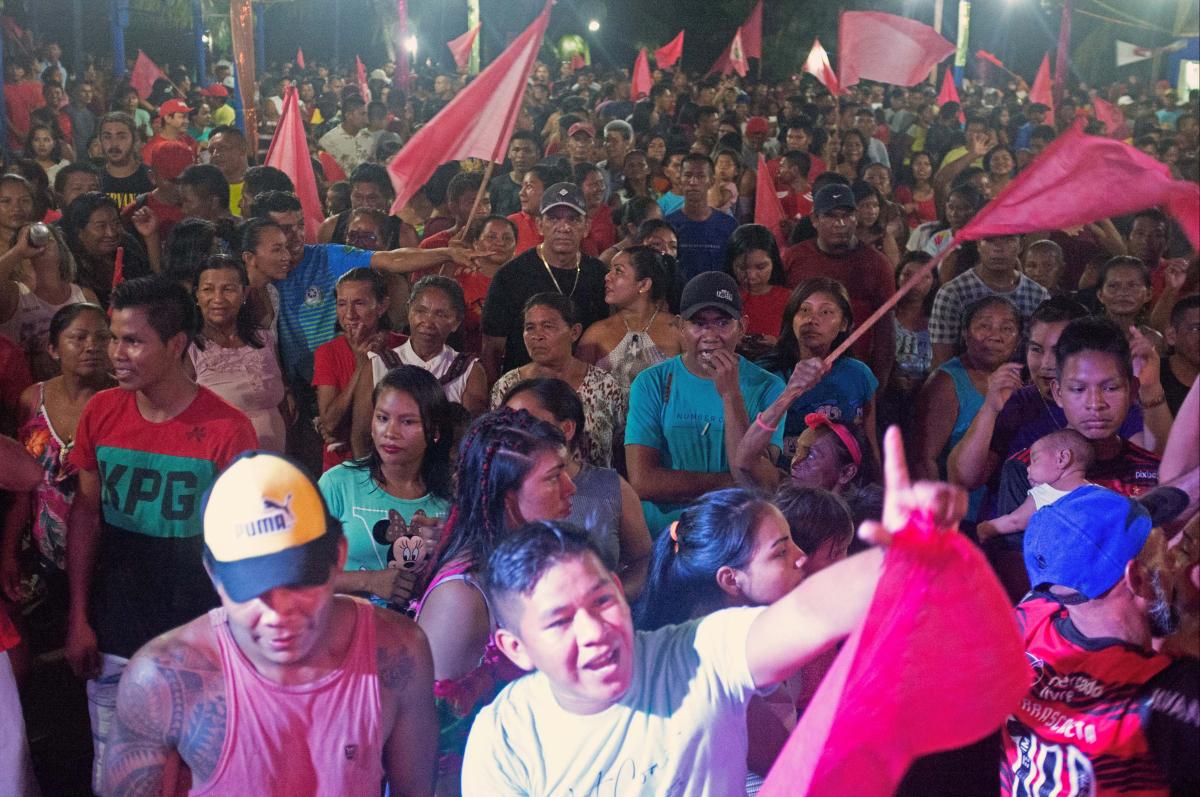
column 285, row 689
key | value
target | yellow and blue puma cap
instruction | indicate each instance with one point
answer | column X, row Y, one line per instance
column 266, row 526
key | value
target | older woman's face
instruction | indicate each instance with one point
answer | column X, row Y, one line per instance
column 102, row 233
column 548, row 336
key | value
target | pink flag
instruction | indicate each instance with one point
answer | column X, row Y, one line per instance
column 460, row 47
column 401, row 78
column 884, row 47
column 936, row 593
column 1114, row 121
column 1062, row 56
column 640, row 86
column 1041, row 91
column 1079, row 179
column 360, row 72
column 733, row 59
column 817, row 65
column 669, row 53
column 289, row 153
column 752, row 32
column 300, row 58
column 768, row 211
column 477, row 123
column 145, row 72
column 949, row 93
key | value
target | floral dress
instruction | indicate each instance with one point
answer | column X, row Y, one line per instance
column 53, row 496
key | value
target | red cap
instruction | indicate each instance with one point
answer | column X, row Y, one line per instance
column 757, row 124
column 215, row 90
column 173, row 106
column 170, row 158
column 581, row 127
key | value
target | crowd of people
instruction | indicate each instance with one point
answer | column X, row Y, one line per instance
column 306, row 516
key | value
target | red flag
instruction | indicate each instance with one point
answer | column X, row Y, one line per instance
column 401, row 78
column 949, row 93
column 145, row 72
column 300, row 58
column 669, row 53
column 1062, row 56
column 1114, row 121
column 477, row 123
column 289, row 153
column 460, row 47
column 752, row 32
column 935, row 593
column 733, row 59
column 817, row 65
column 1041, row 91
column 768, row 210
column 360, row 72
column 884, row 47
column 1059, row 190
column 640, row 86
column 984, row 55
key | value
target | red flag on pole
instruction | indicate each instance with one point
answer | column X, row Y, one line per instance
column 460, row 47
column 300, row 58
column 935, row 592
column 669, row 53
column 289, row 153
column 1041, row 91
column 1114, row 121
column 817, row 65
column 1062, row 56
column 145, row 72
column 733, row 59
column 768, row 210
column 641, row 83
column 949, row 93
column 884, row 47
column 752, row 32
column 477, row 123
column 984, row 55
column 360, row 73
column 1058, row 190
column 401, row 78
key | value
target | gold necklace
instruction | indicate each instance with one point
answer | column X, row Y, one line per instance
column 550, row 271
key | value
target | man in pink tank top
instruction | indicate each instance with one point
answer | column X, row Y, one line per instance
column 286, row 689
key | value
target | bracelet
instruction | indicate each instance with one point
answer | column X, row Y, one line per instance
column 758, row 421
column 1149, row 405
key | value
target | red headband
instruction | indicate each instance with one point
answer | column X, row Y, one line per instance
column 815, row 419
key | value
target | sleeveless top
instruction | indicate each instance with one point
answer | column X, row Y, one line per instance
column 53, row 496
column 248, row 378
column 969, row 402
column 322, row 739
column 596, row 508
column 633, row 354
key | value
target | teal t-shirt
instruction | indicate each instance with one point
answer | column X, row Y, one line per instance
column 359, row 503
column 680, row 414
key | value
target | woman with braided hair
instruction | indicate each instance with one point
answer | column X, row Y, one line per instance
column 512, row 469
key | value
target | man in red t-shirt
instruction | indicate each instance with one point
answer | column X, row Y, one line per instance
column 460, row 197
column 867, row 275
column 166, row 163
column 173, row 114
column 795, row 194
column 21, row 97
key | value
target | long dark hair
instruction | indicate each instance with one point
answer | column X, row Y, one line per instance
column 423, row 388
column 495, row 456
column 248, row 328
column 920, row 258
column 649, row 264
column 557, row 398
column 748, row 238
column 717, row 531
column 188, row 247
column 787, row 350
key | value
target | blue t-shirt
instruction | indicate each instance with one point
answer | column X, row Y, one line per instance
column 669, row 202
column 842, row 395
column 702, row 243
column 680, row 414
column 308, row 305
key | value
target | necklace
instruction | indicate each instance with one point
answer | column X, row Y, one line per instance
column 642, row 331
column 550, row 271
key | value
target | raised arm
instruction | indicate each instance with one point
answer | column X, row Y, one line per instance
column 409, row 259
column 1156, row 415
column 747, row 461
column 971, row 462
column 829, row 605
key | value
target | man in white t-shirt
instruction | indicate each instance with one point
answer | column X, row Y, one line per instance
column 609, row 711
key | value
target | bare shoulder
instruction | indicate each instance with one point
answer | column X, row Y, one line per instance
column 403, row 661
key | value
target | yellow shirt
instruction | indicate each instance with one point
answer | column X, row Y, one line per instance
column 235, row 198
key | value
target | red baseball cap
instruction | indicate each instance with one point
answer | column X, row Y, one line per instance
column 581, row 127
column 757, row 124
column 173, row 106
column 170, row 158
column 215, row 90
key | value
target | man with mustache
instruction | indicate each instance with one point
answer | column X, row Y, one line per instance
column 124, row 178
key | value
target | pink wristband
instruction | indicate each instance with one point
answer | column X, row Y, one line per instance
column 758, row 421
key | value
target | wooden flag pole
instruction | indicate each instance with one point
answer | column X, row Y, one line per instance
column 487, row 176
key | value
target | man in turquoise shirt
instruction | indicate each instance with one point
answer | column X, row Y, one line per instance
column 687, row 413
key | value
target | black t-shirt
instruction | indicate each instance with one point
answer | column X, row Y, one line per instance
column 525, row 276
column 505, row 195
column 1174, row 390
column 1172, row 723
column 125, row 190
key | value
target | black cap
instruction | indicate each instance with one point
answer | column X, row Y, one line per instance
column 714, row 289
column 565, row 194
column 833, row 196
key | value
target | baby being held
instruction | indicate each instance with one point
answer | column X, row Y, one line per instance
column 1057, row 465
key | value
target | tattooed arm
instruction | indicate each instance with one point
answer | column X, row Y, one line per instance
column 410, row 727
column 170, row 721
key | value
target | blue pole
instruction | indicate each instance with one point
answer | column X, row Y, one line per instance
column 201, row 50
column 120, row 20
column 260, row 45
